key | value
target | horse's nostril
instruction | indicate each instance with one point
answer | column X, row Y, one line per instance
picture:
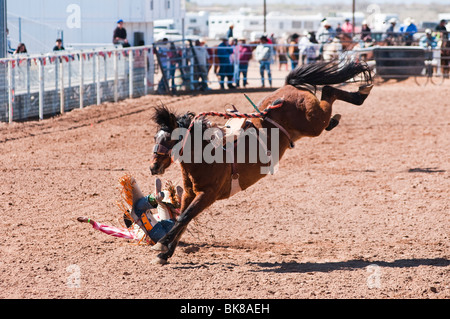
column 154, row 168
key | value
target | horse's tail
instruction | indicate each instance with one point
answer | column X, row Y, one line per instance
column 328, row 73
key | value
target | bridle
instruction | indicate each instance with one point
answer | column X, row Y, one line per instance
column 161, row 150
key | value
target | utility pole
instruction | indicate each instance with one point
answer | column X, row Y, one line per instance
column 3, row 33
column 353, row 18
column 265, row 17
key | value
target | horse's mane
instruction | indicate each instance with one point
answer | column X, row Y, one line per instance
column 327, row 73
column 168, row 120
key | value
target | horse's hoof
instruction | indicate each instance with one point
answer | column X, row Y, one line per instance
column 334, row 121
column 337, row 117
column 365, row 89
column 160, row 247
column 159, row 261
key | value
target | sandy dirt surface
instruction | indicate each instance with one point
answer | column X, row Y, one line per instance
column 359, row 212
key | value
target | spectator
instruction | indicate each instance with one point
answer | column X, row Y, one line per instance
column 293, row 51
column 58, row 46
column 366, row 34
column 339, row 29
column 201, row 68
column 120, row 35
column 326, row 33
column 391, row 35
column 226, row 70
column 308, row 49
column 21, row 49
column 282, row 54
column 9, row 48
column 263, row 54
column 428, row 40
column 408, row 29
column 230, row 32
column 245, row 54
column 347, row 27
column 441, row 27
column 166, row 60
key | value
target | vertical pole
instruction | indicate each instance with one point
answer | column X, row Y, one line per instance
column 81, row 81
column 3, row 26
column 10, row 92
column 41, row 88
column 131, row 72
column 27, row 103
column 145, row 53
column 61, row 85
column 20, row 29
column 116, row 77
column 97, row 61
column 353, row 18
column 3, row 46
column 55, row 96
column 265, row 17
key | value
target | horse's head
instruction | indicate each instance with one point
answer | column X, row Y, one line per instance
column 167, row 122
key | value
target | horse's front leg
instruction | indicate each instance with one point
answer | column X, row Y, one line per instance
column 168, row 243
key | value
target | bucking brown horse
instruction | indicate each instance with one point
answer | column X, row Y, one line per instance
column 284, row 116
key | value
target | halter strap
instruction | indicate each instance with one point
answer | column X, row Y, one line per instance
column 161, row 150
column 282, row 129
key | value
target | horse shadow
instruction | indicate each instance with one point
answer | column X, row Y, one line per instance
column 308, row 267
column 295, row 267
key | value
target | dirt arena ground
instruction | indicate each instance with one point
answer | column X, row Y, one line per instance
column 359, row 212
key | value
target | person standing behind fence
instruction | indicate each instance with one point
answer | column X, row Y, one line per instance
column 120, row 35
column 263, row 54
column 308, row 50
column 391, row 35
column 442, row 29
column 226, row 71
column 294, row 51
column 326, row 33
column 201, row 68
column 245, row 54
column 347, row 27
column 230, row 32
column 366, row 32
column 282, row 53
column 428, row 40
column 408, row 29
column 8, row 39
column 165, row 59
column 58, row 46
column 21, row 49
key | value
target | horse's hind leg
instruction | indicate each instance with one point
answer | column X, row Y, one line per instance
column 331, row 94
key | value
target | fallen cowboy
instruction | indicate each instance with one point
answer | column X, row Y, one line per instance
column 147, row 218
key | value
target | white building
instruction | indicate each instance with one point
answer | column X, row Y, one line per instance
column 85, row 23
column 197, row 23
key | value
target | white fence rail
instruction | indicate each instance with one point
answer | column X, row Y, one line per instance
column 38, row 86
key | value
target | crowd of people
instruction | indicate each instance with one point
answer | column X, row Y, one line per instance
column 231, row 58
